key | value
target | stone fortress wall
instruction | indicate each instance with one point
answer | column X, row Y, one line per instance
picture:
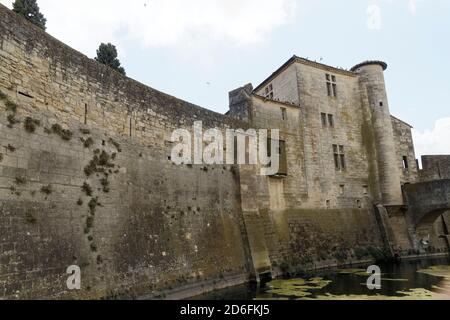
column 86, row 178
column 148, row 225
column 435, row 168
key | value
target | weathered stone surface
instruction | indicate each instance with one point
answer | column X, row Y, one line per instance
column 435, row 168
column 143, row 226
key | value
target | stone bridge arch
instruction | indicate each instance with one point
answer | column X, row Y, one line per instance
column 426, row 201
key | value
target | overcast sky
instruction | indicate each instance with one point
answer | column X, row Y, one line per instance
column 198, row 50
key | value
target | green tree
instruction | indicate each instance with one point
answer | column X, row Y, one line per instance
column 29, row 9
column 107, row 54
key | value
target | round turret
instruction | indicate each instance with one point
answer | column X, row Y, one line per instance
column 371, row 75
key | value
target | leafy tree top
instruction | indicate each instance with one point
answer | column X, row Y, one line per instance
column 107, row 54
column 29, row 9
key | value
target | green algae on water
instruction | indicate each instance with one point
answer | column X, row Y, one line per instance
column 351, row 271
column 299, row 288
column 437, row 271
column 413, row 294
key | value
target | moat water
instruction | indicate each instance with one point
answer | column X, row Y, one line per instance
column 408, row 280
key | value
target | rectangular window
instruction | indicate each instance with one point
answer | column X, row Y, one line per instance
column 284, row 114
column 324, row 119
column 329, row 89
column 331, row 85
column 327, row 120
column 331, row 120
column 342, row 157
column 336, row 157
column 339, row 157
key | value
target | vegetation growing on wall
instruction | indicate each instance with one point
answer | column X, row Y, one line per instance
column 87, row 142
column 11, row 106
column 30, row 124
column 86, row 188
column 47, row 190
column 21, row 180
column 14, row 191
column 10, row 148
column 30, row 218
column 11, row 109
column 101, row 165
column 12, row 120
column 63, row 133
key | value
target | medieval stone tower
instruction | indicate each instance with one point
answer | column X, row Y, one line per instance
column 371, row 77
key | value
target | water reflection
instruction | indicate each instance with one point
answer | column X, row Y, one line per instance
column 417, row 280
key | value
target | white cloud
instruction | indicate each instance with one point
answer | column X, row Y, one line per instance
column 413, row 6
column 83, row 24
column 374, row 13
column 435, row 141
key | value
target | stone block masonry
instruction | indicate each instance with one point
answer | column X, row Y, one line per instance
column 86, row 179
column 135, row 225
column 435, row 168
column 93, row 184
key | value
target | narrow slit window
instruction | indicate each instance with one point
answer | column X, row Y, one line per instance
column 131, row 126
column 85, row 113
column 26, row 95
column 405, row 163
